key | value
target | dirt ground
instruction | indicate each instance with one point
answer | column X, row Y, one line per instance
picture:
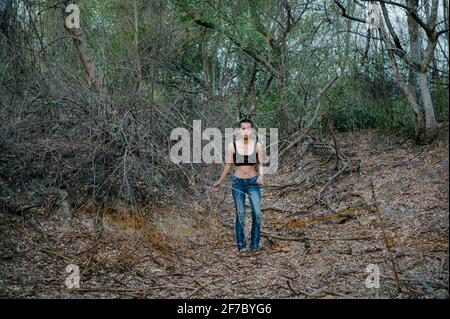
column 309, row 249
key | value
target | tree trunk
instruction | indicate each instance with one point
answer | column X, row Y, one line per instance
column 205, row 62
column 425, row 123
column 414, row 41
column 95, row 77
column 251, row 93
column 428, row 108
column 137, row 86
column 445, row 10
column 284, row 106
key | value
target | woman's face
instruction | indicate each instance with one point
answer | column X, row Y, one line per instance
column 246, row 130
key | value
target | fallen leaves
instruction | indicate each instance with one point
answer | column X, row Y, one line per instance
column 281, row 249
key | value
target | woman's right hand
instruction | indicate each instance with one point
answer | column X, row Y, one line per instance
column 216, row 186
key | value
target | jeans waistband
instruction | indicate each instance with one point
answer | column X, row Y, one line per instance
column 244, row 179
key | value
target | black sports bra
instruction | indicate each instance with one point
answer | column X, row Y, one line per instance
column 248, row 160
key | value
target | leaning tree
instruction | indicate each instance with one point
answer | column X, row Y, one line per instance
column 421, row 18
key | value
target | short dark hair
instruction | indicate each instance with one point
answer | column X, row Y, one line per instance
column 246, row 121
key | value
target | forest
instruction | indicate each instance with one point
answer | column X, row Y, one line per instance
column 350, row 102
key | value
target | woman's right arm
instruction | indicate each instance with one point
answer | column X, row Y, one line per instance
column 226, row 168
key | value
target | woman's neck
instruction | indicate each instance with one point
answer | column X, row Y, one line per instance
column 245, row 141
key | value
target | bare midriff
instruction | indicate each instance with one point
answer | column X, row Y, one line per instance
column 245, row 171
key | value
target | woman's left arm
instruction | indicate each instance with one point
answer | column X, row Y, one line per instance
column 260, row 163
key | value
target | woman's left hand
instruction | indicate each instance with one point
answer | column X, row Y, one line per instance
column 260, row 180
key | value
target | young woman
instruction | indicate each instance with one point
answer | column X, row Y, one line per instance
column 247, row 156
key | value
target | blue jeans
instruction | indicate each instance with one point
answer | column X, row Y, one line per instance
column 240, row 187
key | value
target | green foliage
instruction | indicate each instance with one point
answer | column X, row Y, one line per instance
column 113, row 127
column 352, row 117
column 368, row 100
column 441, row 99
